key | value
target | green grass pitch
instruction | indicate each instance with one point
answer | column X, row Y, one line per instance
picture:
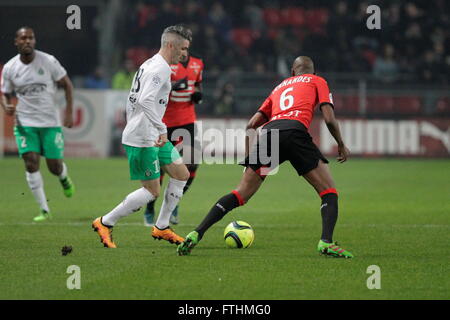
column 393, row 213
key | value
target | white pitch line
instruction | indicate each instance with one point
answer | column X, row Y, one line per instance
column 139, row 224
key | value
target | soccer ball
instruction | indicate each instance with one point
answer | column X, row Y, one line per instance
column 238, row 234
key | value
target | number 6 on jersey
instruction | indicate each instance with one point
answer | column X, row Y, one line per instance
column 285, row 97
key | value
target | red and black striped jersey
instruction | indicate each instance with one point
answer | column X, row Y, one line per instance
column 180, row 109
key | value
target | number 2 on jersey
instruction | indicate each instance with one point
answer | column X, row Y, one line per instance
column 286, row 101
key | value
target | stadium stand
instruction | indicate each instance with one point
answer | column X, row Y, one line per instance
column 315, row 24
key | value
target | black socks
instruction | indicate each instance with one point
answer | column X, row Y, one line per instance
column 329, row 210
column 217, row 212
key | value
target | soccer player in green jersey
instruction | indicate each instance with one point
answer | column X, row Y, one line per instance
column 34, row 76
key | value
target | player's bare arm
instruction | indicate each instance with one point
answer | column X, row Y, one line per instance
column 255, row 122
column 5, row 101
column 66, row 84
column 333, row 127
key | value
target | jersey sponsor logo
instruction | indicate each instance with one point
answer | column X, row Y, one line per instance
column 290, row 114
column 33, row 89
column 195, row 65
column 41, row 71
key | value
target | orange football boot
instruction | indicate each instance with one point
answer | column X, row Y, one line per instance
column 166, row 234
column 104, row 232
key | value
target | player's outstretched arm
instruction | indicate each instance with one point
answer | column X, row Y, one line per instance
column 333, row 127
column 66, row 84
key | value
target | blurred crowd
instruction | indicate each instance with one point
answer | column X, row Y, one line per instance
column 264, row 36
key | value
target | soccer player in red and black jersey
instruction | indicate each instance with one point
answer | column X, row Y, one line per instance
column 286, row 114
column 180, row 119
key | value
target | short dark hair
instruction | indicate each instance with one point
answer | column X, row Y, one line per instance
column 181, row 30
column 23, row 28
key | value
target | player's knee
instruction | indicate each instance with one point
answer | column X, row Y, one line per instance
column 154, row 192
column 183, row 175
column 31, row 166
column 192, row 167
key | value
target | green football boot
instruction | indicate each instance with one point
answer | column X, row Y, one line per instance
column 333, row 250
column 44, row 215
column 188, row 244
column 68, row 186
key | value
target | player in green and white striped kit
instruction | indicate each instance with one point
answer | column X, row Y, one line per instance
column 34, row 76
column 145, row 141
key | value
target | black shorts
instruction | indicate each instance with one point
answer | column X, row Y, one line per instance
column 176, row 135
column 183, row 137
column 295, row 145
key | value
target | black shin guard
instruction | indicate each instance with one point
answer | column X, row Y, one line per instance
column 218, row 211
column 329, row 210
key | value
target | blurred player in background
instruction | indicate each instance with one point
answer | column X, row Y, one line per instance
column 145, row 141
column 180, row 119
column 288, row 112
column 33, row 76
